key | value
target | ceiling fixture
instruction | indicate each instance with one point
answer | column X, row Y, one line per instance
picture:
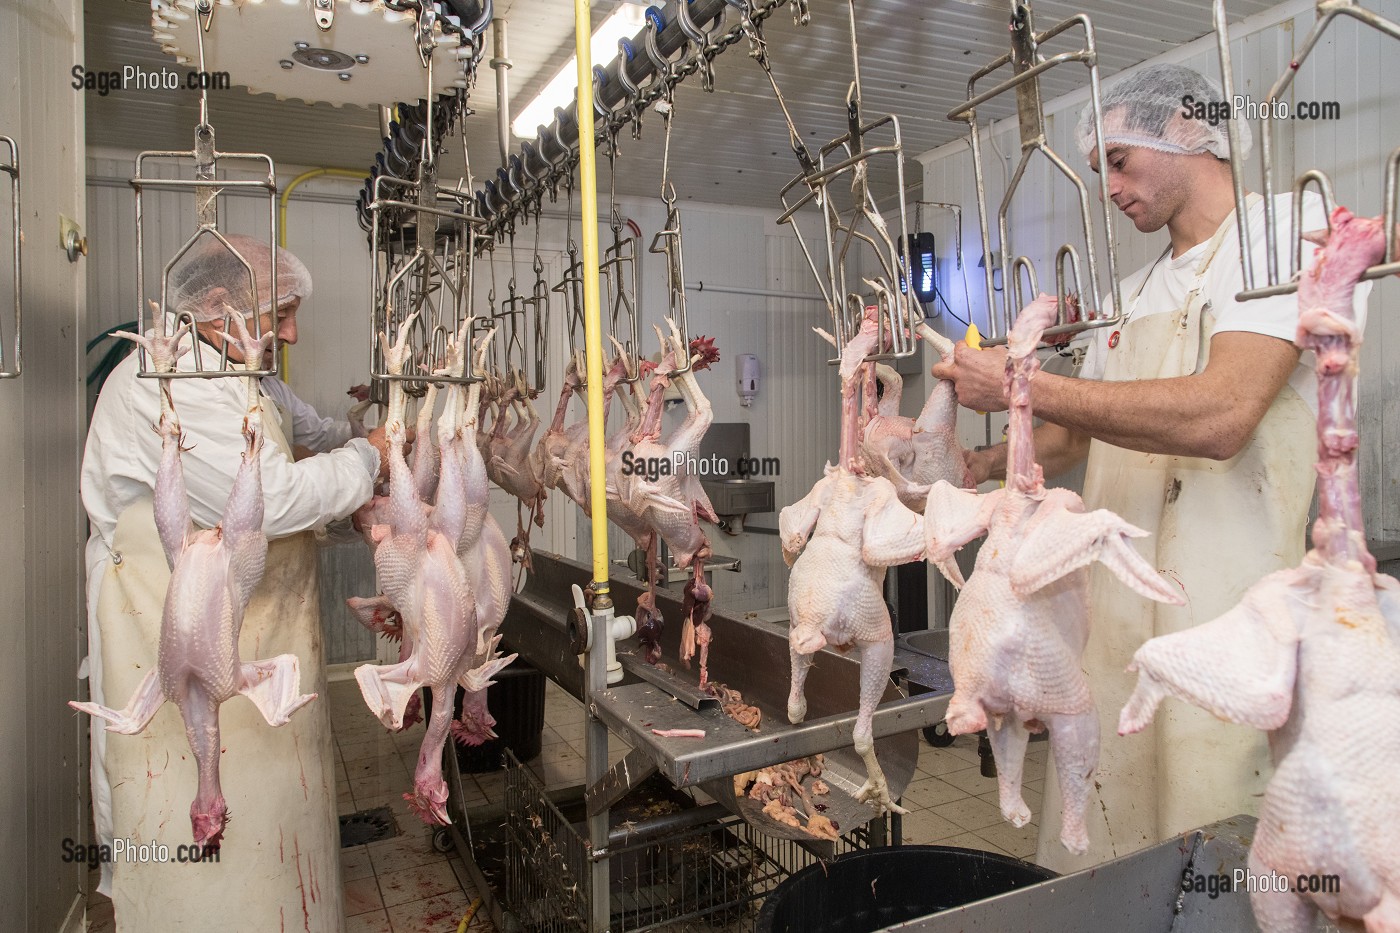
column 623, row 23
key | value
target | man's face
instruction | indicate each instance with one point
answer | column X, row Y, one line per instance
column 285, row 322
column 1147, row 185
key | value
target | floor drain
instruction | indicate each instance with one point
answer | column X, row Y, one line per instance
column 356, row 829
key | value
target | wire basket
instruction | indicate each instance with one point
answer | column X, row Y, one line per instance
column 708, row 877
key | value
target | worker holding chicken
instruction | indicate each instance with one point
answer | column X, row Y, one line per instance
column 1197, row 417
column 278, row 783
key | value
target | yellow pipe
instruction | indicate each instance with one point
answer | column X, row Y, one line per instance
column 592, row 325
column 284, row 362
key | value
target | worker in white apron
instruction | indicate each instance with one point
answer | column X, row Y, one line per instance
column 279, row 865
column 1214, row 461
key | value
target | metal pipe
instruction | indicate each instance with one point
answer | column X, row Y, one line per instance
column 284, row 363
column 596, row 731
column 666, row 823
column 700, row 287
column 501, row 64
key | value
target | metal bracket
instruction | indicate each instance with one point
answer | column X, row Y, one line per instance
column 859, row 225
column 208, row 188
column 1028, row 64
column 11, row 168
column 70, row 237
column 1275, row 283
column 325, row 14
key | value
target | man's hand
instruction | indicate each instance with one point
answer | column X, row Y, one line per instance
column 978, row 377
column 981, row 463
column 300, row 452
column 380, row 441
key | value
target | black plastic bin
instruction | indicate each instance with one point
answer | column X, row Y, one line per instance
column 516, row 699
column 860, row 892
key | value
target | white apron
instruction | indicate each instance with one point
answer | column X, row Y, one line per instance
column 279, row 866
column 1216, row 527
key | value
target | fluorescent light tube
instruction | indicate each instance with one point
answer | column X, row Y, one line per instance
column 623, row 23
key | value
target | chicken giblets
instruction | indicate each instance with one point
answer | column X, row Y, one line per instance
column 1018, row 631
column 1312, row 654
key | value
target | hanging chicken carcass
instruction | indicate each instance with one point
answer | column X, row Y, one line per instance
column 212, row 574
column 423, row 578
column 1017, row 633
column 1312, row 654
column 838, row 540
column 671, row 500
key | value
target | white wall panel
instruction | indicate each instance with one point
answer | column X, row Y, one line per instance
column 1354, row 66
column 42, row 742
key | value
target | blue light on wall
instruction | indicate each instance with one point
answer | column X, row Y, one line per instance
column 922, row 267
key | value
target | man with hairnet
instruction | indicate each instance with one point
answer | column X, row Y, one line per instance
column 1197, row 415
column 279, row 783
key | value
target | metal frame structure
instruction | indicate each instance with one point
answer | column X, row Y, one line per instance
column 854, row 155
column 432, row 277
column 1028, row 65
column 208, row 188
column 1327, row 11
column 11, row 168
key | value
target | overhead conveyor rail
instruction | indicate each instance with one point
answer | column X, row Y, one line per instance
column 646, row 70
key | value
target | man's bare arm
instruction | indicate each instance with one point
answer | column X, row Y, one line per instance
column 1057, row 449
column 1210, row 414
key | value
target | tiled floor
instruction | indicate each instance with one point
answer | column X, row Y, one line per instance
column 401, row 885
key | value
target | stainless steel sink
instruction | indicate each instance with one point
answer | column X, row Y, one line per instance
column 734, row 495
column 929, row 644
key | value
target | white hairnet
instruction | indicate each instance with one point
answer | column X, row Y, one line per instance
column 1148, row 108
column 209, row 265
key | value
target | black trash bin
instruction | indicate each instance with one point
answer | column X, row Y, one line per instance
column 516, row 700
column 860, row 892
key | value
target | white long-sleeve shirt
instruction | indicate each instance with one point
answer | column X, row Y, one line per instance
column 123, row 452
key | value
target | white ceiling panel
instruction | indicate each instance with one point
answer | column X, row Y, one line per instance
column 729, row 146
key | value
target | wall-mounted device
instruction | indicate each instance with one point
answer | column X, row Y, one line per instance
column 748, row 378
column 923, row 267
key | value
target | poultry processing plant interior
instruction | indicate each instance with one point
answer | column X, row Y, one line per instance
column 857, row 465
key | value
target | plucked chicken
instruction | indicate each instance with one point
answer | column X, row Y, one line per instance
column 212, row 574
column 1018, row 631
column 422, row 577
column 838, row 540
column 1312, row 654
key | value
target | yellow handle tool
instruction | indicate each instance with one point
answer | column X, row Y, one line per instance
column 974, row 337
column 974, row 340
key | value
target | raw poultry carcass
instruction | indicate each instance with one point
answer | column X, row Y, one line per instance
column 356, row 414
column 838, row 540
column 670, row 500
column 912, row 453
column 1018, row 631
column 212, row 574
column 510, row 465
column 1312, row 655
column 650, row 622
column 422, row 577
column 486, row 560
column 549, row 454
